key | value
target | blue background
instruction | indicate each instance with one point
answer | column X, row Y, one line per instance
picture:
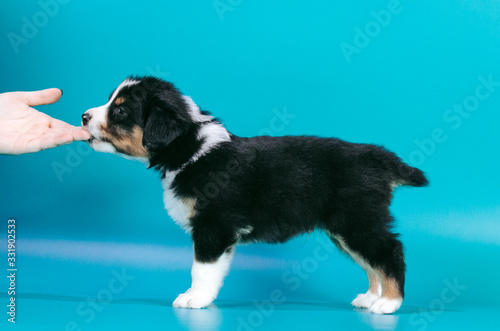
column 246, row 62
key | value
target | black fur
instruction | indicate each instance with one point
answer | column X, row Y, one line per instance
column 278, row 186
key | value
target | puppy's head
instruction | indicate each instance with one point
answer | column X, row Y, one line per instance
column 141, row 116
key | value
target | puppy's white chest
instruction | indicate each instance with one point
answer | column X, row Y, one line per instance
column 179, row 209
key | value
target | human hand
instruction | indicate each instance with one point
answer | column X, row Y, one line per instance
column 25, row 130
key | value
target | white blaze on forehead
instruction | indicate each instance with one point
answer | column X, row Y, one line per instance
column 125, row 83
column 98, row 114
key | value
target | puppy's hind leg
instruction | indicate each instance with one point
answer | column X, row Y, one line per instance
column 362, row 300
column 212, row 259
column 380, row 253
column 365, row 300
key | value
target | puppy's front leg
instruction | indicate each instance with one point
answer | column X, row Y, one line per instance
column 207, row 279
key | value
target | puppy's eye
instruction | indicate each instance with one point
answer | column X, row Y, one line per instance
column 119, row 111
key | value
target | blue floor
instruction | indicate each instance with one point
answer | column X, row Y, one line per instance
column 81, row 285
column 46, row 313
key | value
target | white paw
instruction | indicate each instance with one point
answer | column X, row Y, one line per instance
column 364, row 300
column 194, row 299
column 385, row 306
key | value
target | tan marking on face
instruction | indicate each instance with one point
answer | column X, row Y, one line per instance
column 126, row 142
column 390, row 288
column 119, row 101
column 190, row 203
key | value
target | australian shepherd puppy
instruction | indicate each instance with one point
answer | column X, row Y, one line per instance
column 224, row 189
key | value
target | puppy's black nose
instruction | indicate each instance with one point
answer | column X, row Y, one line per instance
column 85, row 118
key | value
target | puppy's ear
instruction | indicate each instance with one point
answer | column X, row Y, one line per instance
column 161, row 128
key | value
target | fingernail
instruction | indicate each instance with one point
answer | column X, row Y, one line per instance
column 62, row 92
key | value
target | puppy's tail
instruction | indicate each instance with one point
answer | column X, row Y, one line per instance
column 402, row 173
column 407, row 175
